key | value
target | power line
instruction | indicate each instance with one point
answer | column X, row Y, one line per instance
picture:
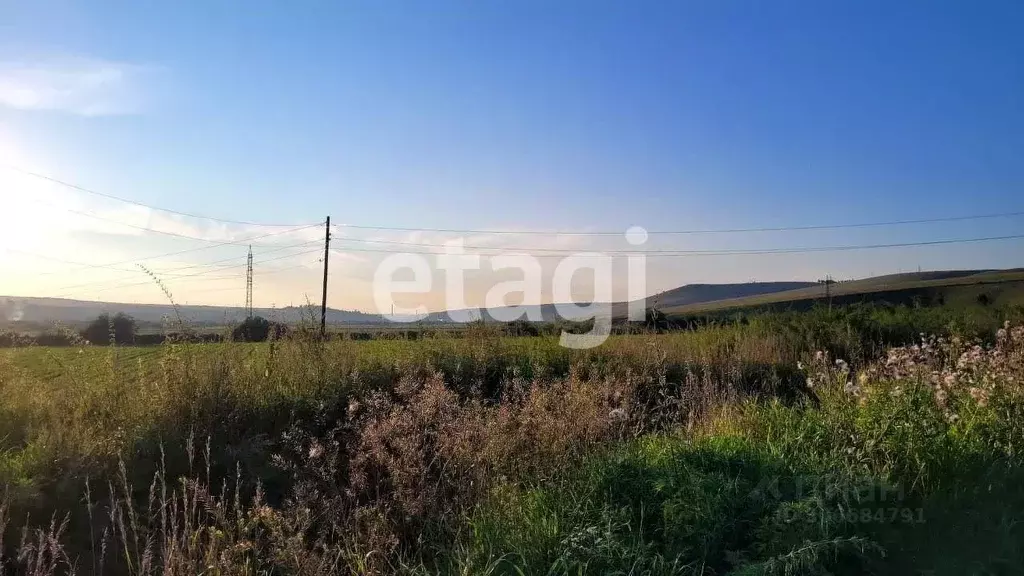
column 695, row 231
column 201, row 273
column 142, row 228
column 200, row 248
column 472, row 231
column 233, row 258
column 739, row 252
column 232, row 288
column 137, row 203
column 175, row 272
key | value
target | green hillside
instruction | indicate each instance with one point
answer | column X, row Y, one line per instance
column 955, row 287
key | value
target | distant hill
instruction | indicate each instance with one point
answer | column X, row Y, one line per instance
column 684, row 295
column 17, row 311
column 927, row 288
column 950, row 286
column 700, row 293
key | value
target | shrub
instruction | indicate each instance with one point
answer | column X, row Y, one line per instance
column 258, row 329
column 117, row 329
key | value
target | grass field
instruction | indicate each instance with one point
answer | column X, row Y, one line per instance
column 733, row 449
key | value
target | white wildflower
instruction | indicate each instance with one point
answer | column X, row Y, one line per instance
column 315, row 450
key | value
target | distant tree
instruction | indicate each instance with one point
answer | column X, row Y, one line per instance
column 257, row 329
column 521, row 327
column 105, row 329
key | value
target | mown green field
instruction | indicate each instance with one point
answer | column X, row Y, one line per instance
column 732, row 449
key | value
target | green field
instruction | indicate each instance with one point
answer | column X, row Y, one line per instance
column 732, row 449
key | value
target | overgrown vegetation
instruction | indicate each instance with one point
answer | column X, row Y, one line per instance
column 824, row 442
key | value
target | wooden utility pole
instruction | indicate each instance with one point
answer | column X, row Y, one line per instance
column 323, row 301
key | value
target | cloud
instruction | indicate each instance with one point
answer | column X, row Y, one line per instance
column 77, row 85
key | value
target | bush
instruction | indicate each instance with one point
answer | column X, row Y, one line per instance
column 521, row 327
column 258, row 329
column 10, row 339
column 117, row 329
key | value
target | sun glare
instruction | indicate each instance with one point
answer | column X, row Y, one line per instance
column 22, row 218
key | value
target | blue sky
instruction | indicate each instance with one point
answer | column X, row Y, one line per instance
column 522, row 115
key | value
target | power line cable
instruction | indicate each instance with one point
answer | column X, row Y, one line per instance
column 137, row 203
column 226, row 288
column 150, row 282
column 145, row 228
column 695, row 231
column 680, row 253
column 239, row 242
column 516, row 232
column 174, row 273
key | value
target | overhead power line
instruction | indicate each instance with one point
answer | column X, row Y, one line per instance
column 145, row 228
column 195, row 274
column 684, row 253
column 175, row 272
column 239, row 242
column 142, row 204
column 693, row 231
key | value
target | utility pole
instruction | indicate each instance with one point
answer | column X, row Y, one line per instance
column 323, row 301
column 248, row 286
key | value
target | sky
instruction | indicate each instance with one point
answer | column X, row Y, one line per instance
column 523, row 116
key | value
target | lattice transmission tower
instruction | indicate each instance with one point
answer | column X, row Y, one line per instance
column 248, row 285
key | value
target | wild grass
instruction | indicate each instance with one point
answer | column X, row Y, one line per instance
column 731, row 449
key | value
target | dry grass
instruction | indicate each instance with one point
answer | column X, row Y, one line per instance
column 304, row 457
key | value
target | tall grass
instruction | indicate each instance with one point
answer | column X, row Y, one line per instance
column 728, row 449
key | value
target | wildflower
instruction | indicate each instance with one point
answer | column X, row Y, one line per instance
column 842, row 365
column 315, row 450
column 852, row 389
column 810, row 382
column 617, row 415
column 799, row 365
column 980, row 396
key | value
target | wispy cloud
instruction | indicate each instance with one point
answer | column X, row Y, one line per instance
column 76, row 85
